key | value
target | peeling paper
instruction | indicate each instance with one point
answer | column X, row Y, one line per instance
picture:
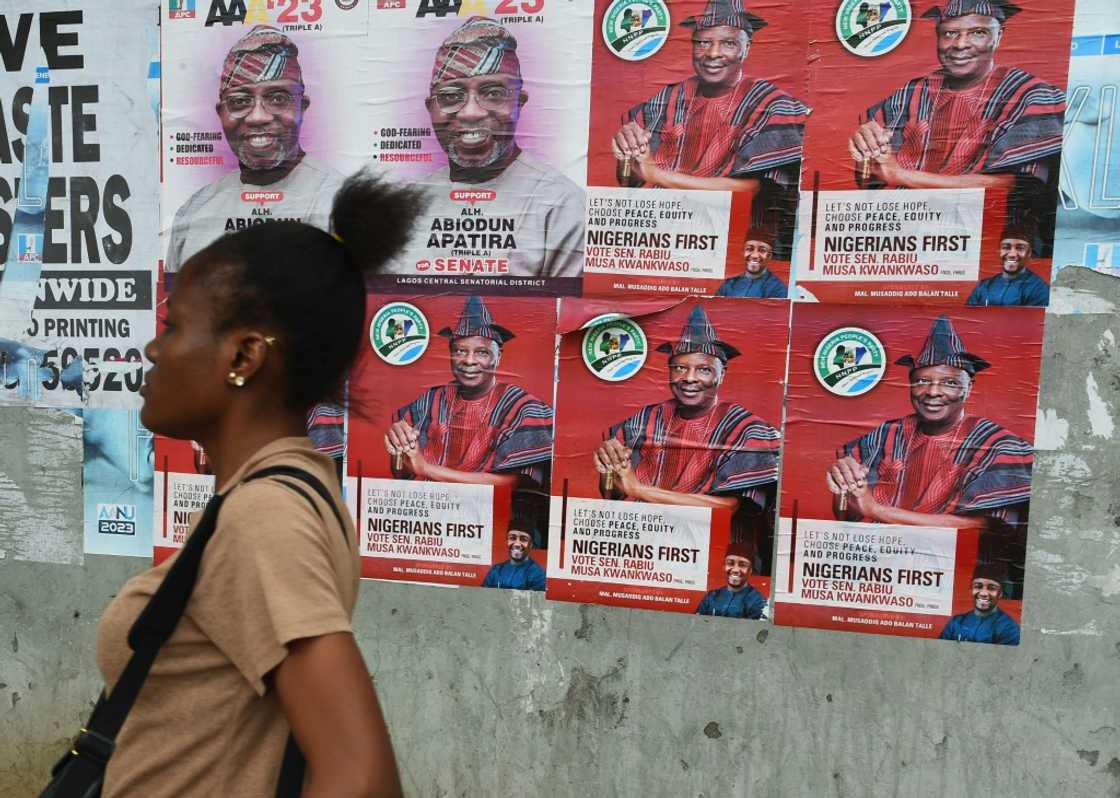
column 1050, row 432
column 1090, row 630
column 1101, row 424
column 1070, row 301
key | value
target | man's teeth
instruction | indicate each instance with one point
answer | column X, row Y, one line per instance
column 472, row 137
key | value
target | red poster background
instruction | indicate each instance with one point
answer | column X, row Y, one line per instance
column 818, row 423
column 777, row 54
column 842, row 86
column 587, row 406
column 378, row 389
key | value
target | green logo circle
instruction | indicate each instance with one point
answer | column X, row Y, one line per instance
column 870, row 28
column 399, row 333
column 849, row 361
column 614, row 347
column 634, row 30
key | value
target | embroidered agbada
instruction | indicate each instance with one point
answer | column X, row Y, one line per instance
column 727, row 451
column 1010, row 123
column 977, row 468
column 507, row 430
column 753, row 131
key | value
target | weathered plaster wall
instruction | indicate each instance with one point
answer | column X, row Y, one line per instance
column 492, row 693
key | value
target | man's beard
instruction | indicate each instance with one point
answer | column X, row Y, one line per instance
column 501, row 148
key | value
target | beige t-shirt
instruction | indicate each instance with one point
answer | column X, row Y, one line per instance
column 205, row 722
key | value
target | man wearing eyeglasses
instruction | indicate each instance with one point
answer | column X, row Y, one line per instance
column 695, row 449
column 261, row 103
column 939, row 466
column 525, row 218
column 969, row 124
column 475, row 429
column 719, row 130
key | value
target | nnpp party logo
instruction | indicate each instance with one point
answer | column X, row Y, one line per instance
column 870, row 28
column 849, row 361
column 399, row 333
column 635, row 30
column 614, row 347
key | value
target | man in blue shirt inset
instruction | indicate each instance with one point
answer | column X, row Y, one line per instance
column 520, row 571
column 757, row 282
column 1016, row 284
column 986, row 623
column 737, row 599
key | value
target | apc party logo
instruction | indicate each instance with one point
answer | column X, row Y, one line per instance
column 399, row 333
column 870, row 28
column 614, row 347
column 849, row 361
column 636, row 30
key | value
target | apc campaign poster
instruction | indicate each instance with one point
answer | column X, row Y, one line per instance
column 705, row 101
column 666, row 457
column 1088, row 224
column 932, row 157
column 117, row 478
column 77, row 209
column 450, row 445
column 907, row 470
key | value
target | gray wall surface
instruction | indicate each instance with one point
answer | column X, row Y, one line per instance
column 495, row 693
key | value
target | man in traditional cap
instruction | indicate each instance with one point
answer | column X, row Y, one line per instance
column 533, row 222
column 1016, row 284
column 693, row 449
column 261, row 103
column 737, row 599
column 718, row 130
column 986, row 622
column 757, row 281
column 520, row 571
column 475, row 429
column 939, row 466
column 970, row 123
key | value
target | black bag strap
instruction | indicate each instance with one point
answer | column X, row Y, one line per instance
column 158, row 620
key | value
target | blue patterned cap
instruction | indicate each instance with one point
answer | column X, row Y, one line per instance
column 943, row 347
column 698, row 335
column 476, row 320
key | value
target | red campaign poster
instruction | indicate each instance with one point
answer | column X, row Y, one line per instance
column 705, row 102
column 183, row 481
column 907, row 470
column 666, row 456
column 931, row 159
column 450, row 439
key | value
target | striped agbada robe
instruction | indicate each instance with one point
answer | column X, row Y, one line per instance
column 1009, row 123
column 506, row 430
column 753, row 131
column 729, row 451
column 977, row 468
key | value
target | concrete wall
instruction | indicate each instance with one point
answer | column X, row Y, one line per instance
column 492, row 693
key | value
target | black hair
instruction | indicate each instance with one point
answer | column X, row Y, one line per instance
column 309, row 285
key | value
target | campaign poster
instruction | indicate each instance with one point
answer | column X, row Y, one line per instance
column 1088, row 225
column 117, row 478
column 78, row 212
column 183, row 484
column 907, row 470
column 932, row 157
column 705, row 101
column 666, row 460
column 450, row 445
column 480, row 105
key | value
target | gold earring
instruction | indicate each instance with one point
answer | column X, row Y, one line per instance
column 236, row 379
column 270, row 339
